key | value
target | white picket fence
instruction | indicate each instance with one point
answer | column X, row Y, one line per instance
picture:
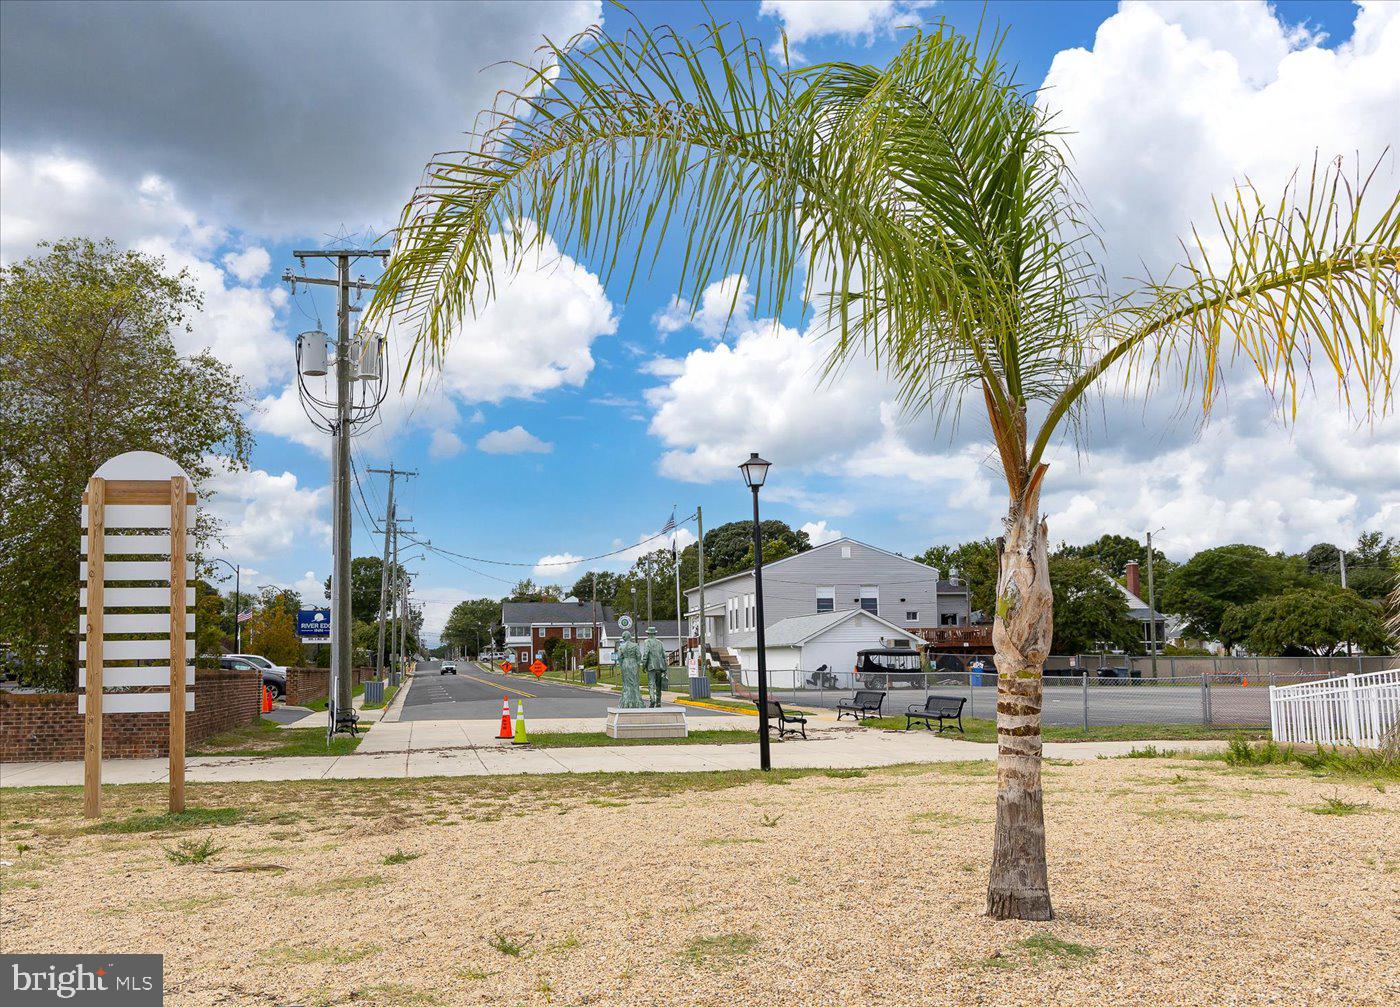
column 1354, row 710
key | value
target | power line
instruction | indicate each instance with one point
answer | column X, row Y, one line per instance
column 568, row 562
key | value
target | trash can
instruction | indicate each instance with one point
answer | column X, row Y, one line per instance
column 590, row 676
column 699, row 686
column 374, row 692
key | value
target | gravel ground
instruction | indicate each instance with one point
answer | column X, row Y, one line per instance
column 1175, row 882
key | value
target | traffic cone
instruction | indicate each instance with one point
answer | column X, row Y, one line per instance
column 267, row 700
column 506, row 731
column 520, row 737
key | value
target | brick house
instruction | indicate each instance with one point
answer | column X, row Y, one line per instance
column 530, row 625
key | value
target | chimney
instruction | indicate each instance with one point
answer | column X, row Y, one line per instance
column 1134, row 581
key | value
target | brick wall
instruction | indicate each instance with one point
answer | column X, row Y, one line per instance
column 46, row 727
column 306, row 684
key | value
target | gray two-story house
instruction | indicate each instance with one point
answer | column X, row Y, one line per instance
column 900, row 595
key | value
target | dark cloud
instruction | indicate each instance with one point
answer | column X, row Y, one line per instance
column 281, row 117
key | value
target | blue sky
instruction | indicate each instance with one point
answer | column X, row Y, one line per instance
column 223, row 138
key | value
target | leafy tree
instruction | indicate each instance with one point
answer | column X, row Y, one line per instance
column 272, row 633
column 528, row 590
column 1091, row 613
column 1115, row 552
column 1202, row 588
column 607, row 585
column 1318, row 620
column 89, row 370
column 975, row 564
column 210, row 639
column 1323, row 560
column 471, row 625
column 729, row 547
column 365, row 575
column 928, row 209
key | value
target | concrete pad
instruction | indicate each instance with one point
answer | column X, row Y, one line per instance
column 391, row 765
column 507, row 763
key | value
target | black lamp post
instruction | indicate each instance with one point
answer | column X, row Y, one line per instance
column 237, row 604
column 755, row 471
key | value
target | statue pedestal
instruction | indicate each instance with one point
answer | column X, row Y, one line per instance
column 646, row 722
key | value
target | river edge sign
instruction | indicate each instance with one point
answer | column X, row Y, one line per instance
column 314, row 625
column 136, row 516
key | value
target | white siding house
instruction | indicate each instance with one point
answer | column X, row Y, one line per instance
column 798, row 647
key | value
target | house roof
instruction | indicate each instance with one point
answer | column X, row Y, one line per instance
column 798, row 630
column 944, row 586
column 664, row 628
column 553, row 613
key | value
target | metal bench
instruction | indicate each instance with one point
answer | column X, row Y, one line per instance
column 347, row 721
column 938, row 708
column 865, row 703
column 778, row 717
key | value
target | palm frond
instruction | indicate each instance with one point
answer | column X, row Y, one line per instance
column 1310, row 281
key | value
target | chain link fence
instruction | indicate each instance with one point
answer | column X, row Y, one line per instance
column 1082, row 691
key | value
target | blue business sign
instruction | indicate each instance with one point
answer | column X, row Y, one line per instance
column 314, row 625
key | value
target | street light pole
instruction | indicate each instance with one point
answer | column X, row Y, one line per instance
column 755, row 471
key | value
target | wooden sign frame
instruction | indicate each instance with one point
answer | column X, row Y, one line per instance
column 126, row 497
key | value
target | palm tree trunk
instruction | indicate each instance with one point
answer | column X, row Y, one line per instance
column 1019, row 887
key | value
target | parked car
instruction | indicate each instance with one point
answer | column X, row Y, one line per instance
column 448, row 668
column 274, row 676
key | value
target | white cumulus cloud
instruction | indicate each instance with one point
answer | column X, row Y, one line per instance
column 516, row 440
column 848, row 20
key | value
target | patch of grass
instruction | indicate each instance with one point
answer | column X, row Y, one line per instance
column 323, row 703
column 771, row 821
column 1338, row 806
column 592, row 739
column 564, row 946
column 1037, row 949
column 720, row 950
column 1355, row 762
column 317, row 954
column 509, row 946
column 266, row 739
column 190, row 818
column 844, row 774
column 981, row 730
column 346, row 884
column 399, row 857
column 940, row 818
column 187, row 851
column 1146, row 752
column 1185, row 814
column 394, row 995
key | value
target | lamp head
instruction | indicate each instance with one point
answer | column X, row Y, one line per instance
column 755, row 470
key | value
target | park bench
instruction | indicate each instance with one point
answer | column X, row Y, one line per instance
column 347, row 721
column 938, row 708
column 781, row 718
column 865, row 703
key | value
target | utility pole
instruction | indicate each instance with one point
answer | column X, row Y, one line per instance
column 390, row 516
column 704, row 658
column 1151, row 611
column 1342, row 558
column 682, row 638
column 345, row 415
column 648, row 594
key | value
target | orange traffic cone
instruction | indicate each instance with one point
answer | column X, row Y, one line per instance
column 507, row 728
column 267, row 700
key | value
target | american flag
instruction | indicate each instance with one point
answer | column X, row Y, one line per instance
column 670, row 524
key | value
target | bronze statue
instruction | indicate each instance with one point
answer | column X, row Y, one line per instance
column 654, row 662
column 629, row 660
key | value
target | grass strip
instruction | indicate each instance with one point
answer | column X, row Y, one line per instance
column 598, row 739
column 265, row 739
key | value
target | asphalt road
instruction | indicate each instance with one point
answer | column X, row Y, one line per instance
column 474, row 693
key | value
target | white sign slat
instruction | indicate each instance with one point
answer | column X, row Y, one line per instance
column 135, row 569
column 124, row 678
column 134, row 545
column 136, row 650
column 151, row 622
column 135, row 597
column 136, row 702
column 140, row 516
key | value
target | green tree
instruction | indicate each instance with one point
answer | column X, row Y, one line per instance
column 272, row 633
column 471, row 625
column 1091, row 613
column 928, row 210
column 89, row 370
column 729, row 547
column 528, row 590
column 1202, row 588
column 607, row 585
column 210, row 638
column 366, row 573
column 1320, row 620
column 1114, row 552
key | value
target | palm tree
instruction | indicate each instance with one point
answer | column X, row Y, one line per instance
column 928, row 209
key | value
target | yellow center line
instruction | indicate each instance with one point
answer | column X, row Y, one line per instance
column 498, row 685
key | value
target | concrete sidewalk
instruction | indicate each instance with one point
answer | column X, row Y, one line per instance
column 458, row 748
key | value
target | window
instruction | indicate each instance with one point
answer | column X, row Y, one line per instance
column 845, row 552
column 911, row 616
column 585, row 632
column 870, row 598
column 568, row 632
column 826, row 599
column 948, row 619
column 731, row 614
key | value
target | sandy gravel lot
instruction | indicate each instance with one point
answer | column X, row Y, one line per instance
column 1175, row 882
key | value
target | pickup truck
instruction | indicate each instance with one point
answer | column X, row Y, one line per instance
column 448, row 668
